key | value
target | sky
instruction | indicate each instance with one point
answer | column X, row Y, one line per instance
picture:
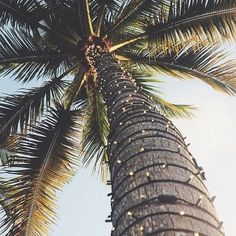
column 83, row 205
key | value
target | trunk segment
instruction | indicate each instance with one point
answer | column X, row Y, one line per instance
column 157, row 187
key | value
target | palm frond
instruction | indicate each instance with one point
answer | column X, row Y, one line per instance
column 95, row 132
column 148, row 85
column 18, row 111
column 88, row 18
column 209, row 64
column 192, row 20
column 103, row 12
column 85, row 18
column 25, row 58
column 3, row 196
column 180, row 21
column 109, row 9
column 172, row 110
column 132, row 13
column 64, row 27
column 31, row 15
column 74, row 88
column 21, row 13
column 126, row 11
column 44, row 162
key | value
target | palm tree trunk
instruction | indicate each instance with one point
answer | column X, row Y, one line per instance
column 157, row 187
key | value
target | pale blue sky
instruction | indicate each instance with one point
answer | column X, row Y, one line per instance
column 83, row 205
column 212, row 134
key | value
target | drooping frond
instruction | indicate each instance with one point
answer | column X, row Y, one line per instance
column 208, row 64
column 192, row 20
column 18, row 111
column 95, row 131
column 25, row 58
column 44, row 163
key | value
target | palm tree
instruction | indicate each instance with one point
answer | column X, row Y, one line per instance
column 98, row 104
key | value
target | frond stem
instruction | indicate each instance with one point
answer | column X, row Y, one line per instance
column 100, row 20
column 126, row 42
column 88, row 16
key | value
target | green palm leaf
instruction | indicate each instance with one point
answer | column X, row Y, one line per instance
column 72, row 92
column 43, row 163
column 25, row 58
column 192, row 20
column 148, row 85
column 172, row 110
column 23, row 13
column 95, row 132
column 103, row 13
column 64, row 26
column 209, row 64
column 131, row 15
column 181, row 21
column 32, row 15
column 18, row 111
column 3, row 196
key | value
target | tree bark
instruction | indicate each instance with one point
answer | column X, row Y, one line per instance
column 157, row 187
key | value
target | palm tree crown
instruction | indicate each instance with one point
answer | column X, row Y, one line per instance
column 49, row 40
